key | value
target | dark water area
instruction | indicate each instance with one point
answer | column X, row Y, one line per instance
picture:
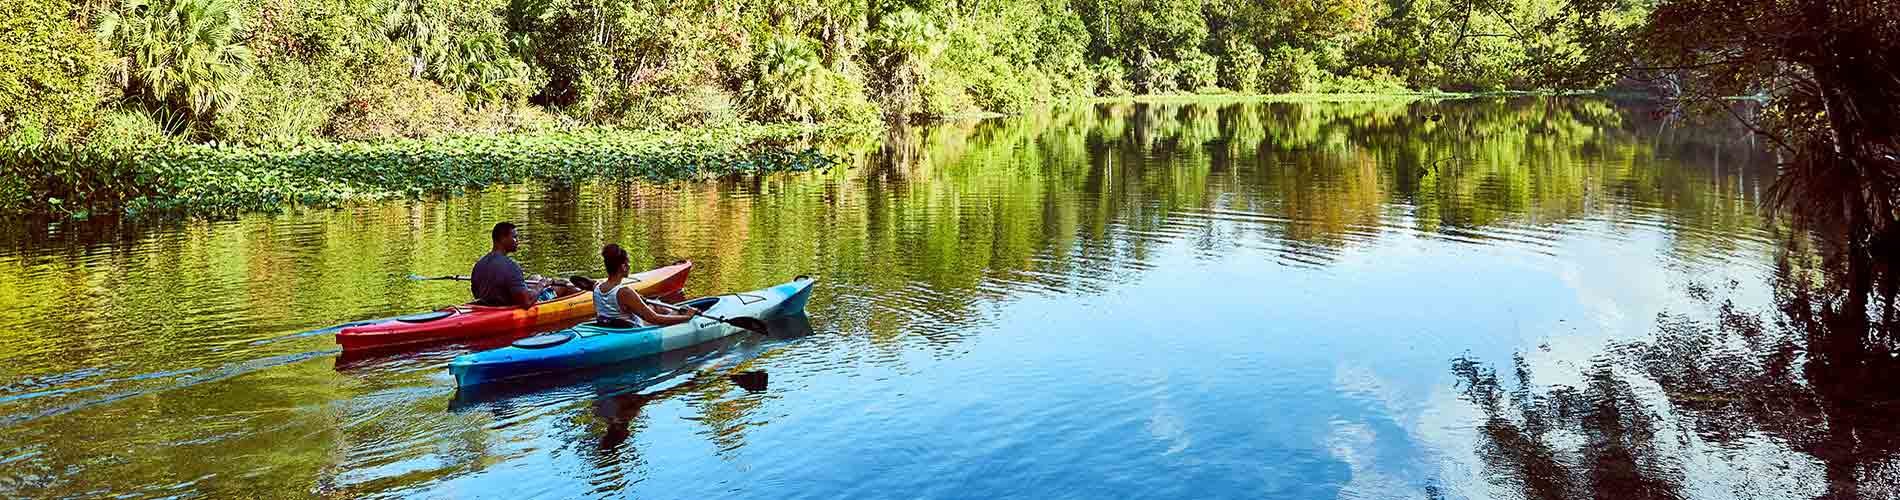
column 1512, row 298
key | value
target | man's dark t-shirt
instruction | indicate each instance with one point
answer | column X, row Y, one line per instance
column 495, row 280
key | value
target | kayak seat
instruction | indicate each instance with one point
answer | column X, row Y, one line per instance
column 614, row 323
column 424, row 317
column 544, row 340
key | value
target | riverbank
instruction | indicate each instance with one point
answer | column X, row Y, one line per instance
column 212, row 180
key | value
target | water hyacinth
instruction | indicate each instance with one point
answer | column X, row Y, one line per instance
column 211, row 180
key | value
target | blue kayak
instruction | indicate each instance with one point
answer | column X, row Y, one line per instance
column 591, row 345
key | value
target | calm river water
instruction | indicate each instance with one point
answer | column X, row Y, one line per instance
column 1515, row 298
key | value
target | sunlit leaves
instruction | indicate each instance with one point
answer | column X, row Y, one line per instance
column 786, row 78
column 50, row 66
column 178, row 52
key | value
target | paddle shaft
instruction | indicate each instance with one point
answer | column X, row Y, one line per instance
column 459, row 277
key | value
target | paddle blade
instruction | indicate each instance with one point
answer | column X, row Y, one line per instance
column 581, row 282
column 751, row 381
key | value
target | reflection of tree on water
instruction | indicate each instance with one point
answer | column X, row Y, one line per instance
column 1617, row 457
column 1815, row 377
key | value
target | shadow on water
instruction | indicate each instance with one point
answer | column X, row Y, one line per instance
column 1811, row 379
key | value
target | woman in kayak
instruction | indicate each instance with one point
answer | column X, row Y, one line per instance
column 619, row 306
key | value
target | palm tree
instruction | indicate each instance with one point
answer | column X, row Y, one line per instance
column 786, row 79
column 178, row 52
column 903, row 47
column 481, row 65
column 408, row 22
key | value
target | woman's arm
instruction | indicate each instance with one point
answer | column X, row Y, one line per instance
column 631, row 301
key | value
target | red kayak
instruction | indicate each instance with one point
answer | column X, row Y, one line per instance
column 472, row 321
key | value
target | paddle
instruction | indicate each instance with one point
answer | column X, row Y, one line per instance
column 751, row 381
column 757, row 330
column 463, row 277
column 455, row 277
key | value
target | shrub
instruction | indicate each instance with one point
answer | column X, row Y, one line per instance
column 1154, row 75
column 1240, row 68
column 695, row 106
column 1198, row 72
column 1365, row 80
column 133, row 129
column 1068, row 72
column 944, row 94
column 281, row 109
column 482, row 68
column 1000, row 88
column 841, row 99
column 402, row 108
column 1290, row 70
column 46, row 86
column 789, row 82
column 1110, row 78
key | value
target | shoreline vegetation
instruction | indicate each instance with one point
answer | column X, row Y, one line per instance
column 216, row 106
column 224, row 180
column 221, row 180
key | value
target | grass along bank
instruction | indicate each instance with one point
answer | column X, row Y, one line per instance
column 211, row 180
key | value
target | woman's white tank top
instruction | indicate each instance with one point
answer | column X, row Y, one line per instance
column 607, row 304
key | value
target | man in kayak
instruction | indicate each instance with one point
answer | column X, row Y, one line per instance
column 497, row 280
column 617, row 305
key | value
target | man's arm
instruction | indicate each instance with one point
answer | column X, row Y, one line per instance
column 524, row 297
column 518, row 288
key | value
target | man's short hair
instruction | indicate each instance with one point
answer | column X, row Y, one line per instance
column 501, row 229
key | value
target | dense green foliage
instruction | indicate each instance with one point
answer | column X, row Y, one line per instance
column 300, row 74
column 204, row 179
column 287, row 72
column 47, row 70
